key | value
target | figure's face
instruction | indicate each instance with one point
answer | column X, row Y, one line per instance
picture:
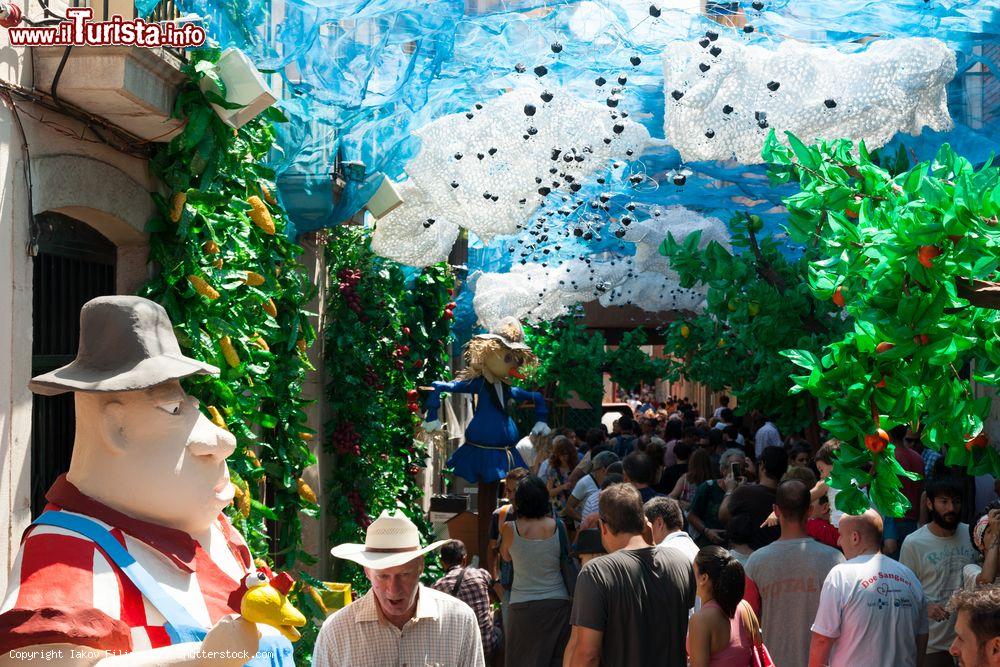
column 168, row 461
column 395, row 589
column 500, row 363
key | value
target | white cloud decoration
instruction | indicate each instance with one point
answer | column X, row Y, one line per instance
column 722, row 97
column 532, row 292
column 482, row 172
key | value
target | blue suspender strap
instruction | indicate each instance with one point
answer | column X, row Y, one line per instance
column 180, row 625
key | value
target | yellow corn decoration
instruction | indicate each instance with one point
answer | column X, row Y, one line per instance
column 243, row 502
column 260, row 563
column 210, row 247
column 253, row 458
column 254, row 279
column 229, row 352
column 306, row 492
column 177, row 206
column 260, row 215
column 270, row 308
column 202, row 287
column 318, row 599
column 259, row 341
column 217, row 417
column 217, row 263
column 306, row 436
column 266, row 191
column 301, row 344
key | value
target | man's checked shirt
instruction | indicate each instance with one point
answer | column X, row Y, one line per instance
column 442, row 633
column 475, row 592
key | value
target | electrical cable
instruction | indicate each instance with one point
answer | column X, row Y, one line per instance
column 32, row 247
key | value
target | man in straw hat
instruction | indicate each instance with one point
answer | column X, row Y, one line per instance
column 133, row 563
column 399, row 621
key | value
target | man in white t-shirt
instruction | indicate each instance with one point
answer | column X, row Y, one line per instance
column 589, row 484
column 766, row 436
column 937, row 553
column 666, row 520
column 872, row 610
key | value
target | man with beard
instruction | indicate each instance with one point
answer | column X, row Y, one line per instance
column 937, row 553
column 977, row 628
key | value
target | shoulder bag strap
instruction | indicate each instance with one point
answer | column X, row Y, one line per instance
column 458, row 582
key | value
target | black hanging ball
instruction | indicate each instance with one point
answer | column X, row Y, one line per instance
column 479, row 107
column 620, row 232
column 546, row 96
column 635, row 60
column 715, row 51
column 480, row 155
column 748, row 29
column 541, row 70
column 709, row 134
column 529, row 109
column 618, row 128
column 704, row 67
column 492, row 151
column 454, row 184
column 757, row 4
column 773, row 85
column 712, row 35
column 612, row 102
column 704, row 42
column 428, row 222
column 680, row 179
column 532, row 131
column 544, row 191
column 626, row 220
column 458, row 156
column 677, row 94
column 830, row 103
column 469, row 115
column 622, row 80
column 556, row 47
column 520, row 68
column 654, row 11
column 600, row 81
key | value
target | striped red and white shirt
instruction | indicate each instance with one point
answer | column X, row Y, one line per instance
column 64, row 589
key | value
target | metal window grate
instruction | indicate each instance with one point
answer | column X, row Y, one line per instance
column 74, row 264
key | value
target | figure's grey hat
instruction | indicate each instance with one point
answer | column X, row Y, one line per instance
column 509, row 332
column 126, row 344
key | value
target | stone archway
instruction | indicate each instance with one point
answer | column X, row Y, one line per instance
column 103, row 197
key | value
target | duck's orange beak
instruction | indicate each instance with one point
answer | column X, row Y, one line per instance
column 515, row 373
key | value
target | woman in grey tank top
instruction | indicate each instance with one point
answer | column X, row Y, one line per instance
column 538, row 619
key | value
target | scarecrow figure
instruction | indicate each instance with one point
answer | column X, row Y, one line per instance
column 489, row 453
column 132, row 562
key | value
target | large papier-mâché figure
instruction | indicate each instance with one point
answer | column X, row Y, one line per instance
column 132, row 562
column 489, row 452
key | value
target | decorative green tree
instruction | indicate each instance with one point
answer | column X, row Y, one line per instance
column 757, row 304
column 385, row 336
column 570, row 360
column 232, row 285
column 907, row 257
column 630, row 366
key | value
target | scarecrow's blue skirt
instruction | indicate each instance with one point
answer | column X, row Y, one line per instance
column 481, row 464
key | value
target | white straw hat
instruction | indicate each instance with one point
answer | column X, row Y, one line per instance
column 391, row 540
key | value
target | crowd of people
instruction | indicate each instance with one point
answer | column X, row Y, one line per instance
column 675, row 539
